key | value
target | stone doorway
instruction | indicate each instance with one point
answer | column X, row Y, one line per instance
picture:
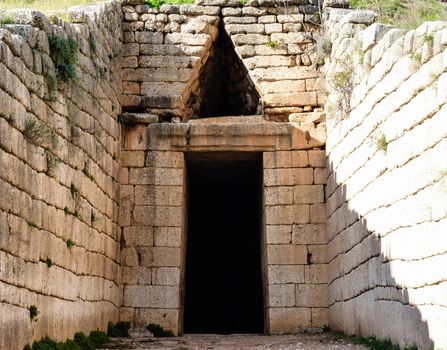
column 223, row 278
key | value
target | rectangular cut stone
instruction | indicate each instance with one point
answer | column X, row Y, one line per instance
column 288, row 320
column 166, row 256
column 316, row 273
column 267, row 61
column 250, row 39
column 291, row 99
column 264, row 50
column 167, row 236
column 318, row 213
column 281, row 295
column 278, row 274
column 147, row 37
column 279, row 234
column 166, row 276
column 287, row 214
column 167, row 61
column 320, row 176
column 312, row 295
column 317, row 158
column 157, row 74
column 273, row 28
column 286, row 254
column 138, row 236
column 279, row 177
column 303, row 176
column 308, row 194
column 267, row 19
column 156, row 176
column 320, row 317
column 151, row 296
column 132, row 158
column 244, row 28
column 244, row 19
column 283, row 86
column 161, row 88
column 284, row 73
column 309, row 234
column 187, row 39
column 165, row 159
column 300, row 159
column 278, row 195
column 159, row 195
column 279, row 159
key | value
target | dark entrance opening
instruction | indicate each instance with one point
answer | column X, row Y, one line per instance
column 223, row 280
column 226, row 87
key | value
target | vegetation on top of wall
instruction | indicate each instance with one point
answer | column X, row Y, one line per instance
column 157, row 3
column 64, row 53
column 45, row 6
column 7, row 20
column 370, row 342
column 406, row 14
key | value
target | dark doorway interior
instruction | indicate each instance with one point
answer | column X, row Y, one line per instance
column 223, row 281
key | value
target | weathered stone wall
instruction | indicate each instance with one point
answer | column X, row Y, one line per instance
column 59, row 152
column 167, row 49
column 153, row 214
column 386, row 191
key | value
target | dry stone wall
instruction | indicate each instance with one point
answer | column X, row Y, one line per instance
column 59, row 185
column 386, row 191
column 167, row 51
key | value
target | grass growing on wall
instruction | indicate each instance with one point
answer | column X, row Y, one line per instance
column 406, row 14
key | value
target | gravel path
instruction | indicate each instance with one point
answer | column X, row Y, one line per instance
column 323, row 341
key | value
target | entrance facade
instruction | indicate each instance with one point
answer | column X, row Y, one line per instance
column 224, row 226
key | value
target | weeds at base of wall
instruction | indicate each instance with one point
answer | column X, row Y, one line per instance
column 369, row 342
column 120, row 329
column 159, row 331
column 95, row 340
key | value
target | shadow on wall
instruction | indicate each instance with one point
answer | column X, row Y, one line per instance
column 365, row 295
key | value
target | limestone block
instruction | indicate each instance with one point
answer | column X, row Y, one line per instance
column 187, row 39
column 231, row 11
column 315, row 273
column 308, row 194
column 287, row 214
column 151, row 296
column 131, row 87
column 264, row 50
column 166, row 276
column 303, row 176
column 167, row 318
column 317, row 158
column 162, row 49
column 283, row 73
column 278, row 195
column 166, row 257
column 271, row 28
column 292, row 38
column 291, row 99
column 288, row 320
column 279, row 234
column 280, row 159
column 267, row 19
column 320, row 176
column 320, row 317
column 285, row 86
column 137, row 275
column 167, row 236
column 309, row 234
column 156, row 176
column 290, row 18
column 312, row 295
column 300, row 159
column 245, row 51
column 318, row 213
column 281, row 295
column 245, row 20
column 286, row 254
column 159, row 195
column 149, row 37
column 279, row 177
column 292, row 27
column 132, row 158
column 249, row 39
column 130, row 256
column 131, row 49
column 167, row 61
column 200, row 10
column 157, row 74
column 244, row 28
column 317, row 254
column 267, row 61
column 279, row 274
column 165, row 159
column 140, row 236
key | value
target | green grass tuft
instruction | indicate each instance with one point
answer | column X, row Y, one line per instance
column 70, row 244
column 406, row 14
column 7, row 20
column 64, row 53
column 33, row 312
column 159, row 331
column 120, row 329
